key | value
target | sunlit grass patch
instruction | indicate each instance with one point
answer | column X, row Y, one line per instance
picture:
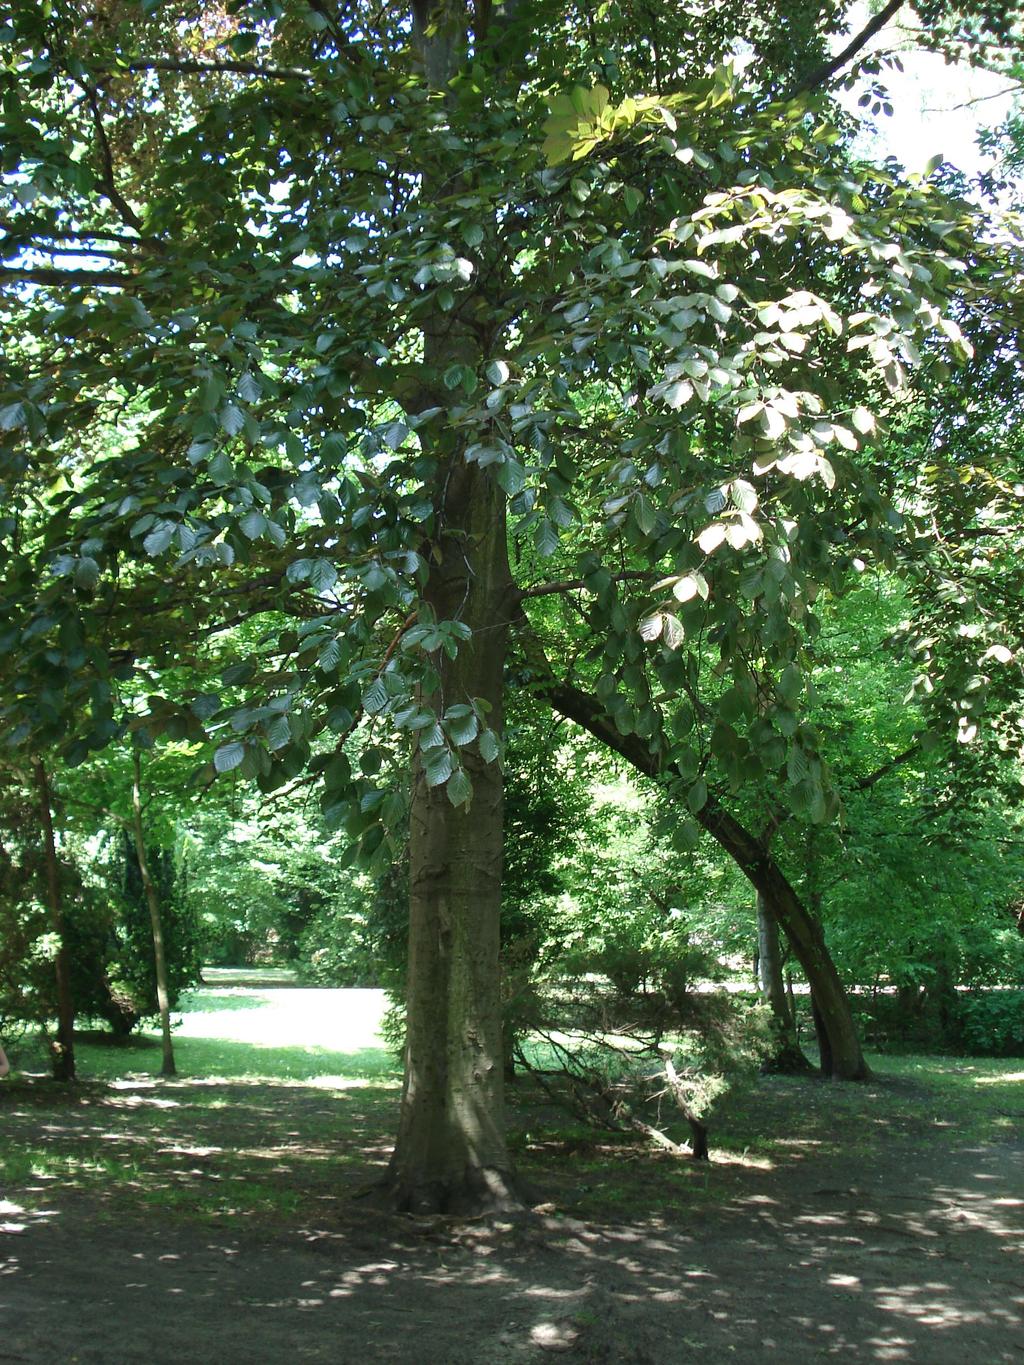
column 271, row 1034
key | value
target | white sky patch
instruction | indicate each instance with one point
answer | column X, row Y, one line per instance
column 937, row 108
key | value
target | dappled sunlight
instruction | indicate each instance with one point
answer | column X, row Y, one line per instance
column 133, row 1100
column 939, row 1307
column 746, row 1160
column 1005, row 1078
column 16, row 1218
column 831, row 1222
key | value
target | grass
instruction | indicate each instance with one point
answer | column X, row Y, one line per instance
column 273, row 1034
column 287, row 1095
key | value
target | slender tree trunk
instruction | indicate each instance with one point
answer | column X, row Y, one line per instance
column 163, row 994
column 826, row 1056
column 63, row 1048
column 823, row 1030
column 769, row 963
column 786, row 1055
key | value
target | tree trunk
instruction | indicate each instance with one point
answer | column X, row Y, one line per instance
column 769, row 964
column 805, row 936
column 802, row 930
column 786, row 1055
column 163, row 995
column 826, row 1062
column 451, row 1153
column 63, row 1047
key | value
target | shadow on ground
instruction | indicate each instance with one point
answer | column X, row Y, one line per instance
column 218, row 1219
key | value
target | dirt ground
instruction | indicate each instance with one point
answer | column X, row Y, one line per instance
column 880, row 1234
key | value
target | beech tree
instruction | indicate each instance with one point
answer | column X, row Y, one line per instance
column 311, row 310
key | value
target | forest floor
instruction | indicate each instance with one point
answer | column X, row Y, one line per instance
column 213, row 1219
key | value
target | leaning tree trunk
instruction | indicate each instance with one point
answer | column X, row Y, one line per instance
column 786, row 1055
column 842, row 1057
column 802, row 930
column 63, row 1048
column 451, row 1153
column 163, row 995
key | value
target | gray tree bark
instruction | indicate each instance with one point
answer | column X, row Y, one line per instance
column 163, row 997
column 62, row 1049
column 451, row 1153
column 786, row 1055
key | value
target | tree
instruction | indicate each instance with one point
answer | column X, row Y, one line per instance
column 368, row 293
column 34, row 977
column 63, row 1046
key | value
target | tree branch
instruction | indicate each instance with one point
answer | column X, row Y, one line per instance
column 31, row 228
column 98, row 279
column 574, row 584
column 820, row 74
column 128, row 214
column 192, row 67
column 863, row 783
column 978, row 99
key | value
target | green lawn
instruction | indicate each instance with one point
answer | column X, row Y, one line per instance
column 234, row 1032
column 283, row 1089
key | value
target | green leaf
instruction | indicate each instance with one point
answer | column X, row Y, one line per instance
column 644, row 513
column 340, row 719
column 375, row 698
column 460, row 789
column 249, row 388
column 12, row 417
column 511, row 476
column 711, row 537
column 463, row 729
column 791, row 683
column 545, row 537
column 744, row 495
column 371, row 761
column 232, row 419
column 489, row 746
column 87, row 573
column 221, row 468
column 159, row 538
column 333, row 449
column 229, row 756
column 329, row 656
column 437, row 767
column 279, row 733
column 686, row 835
column 322, row 575
column 797, row 766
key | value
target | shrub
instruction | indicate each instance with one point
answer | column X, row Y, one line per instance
column 992, row 1023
